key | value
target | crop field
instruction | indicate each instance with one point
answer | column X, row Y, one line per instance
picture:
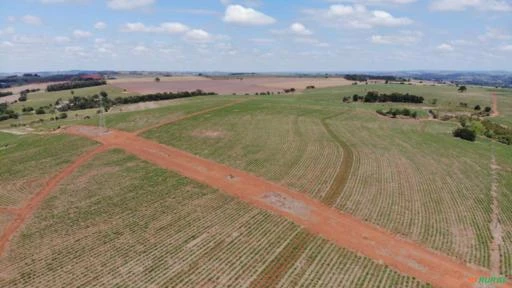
column 119, row 221
column 27, row 161
column 408, row 176
column 504, row 163
column 249, row 85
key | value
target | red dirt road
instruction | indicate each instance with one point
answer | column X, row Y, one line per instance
column 343, row 229
column 495, row 111
column 21, row 214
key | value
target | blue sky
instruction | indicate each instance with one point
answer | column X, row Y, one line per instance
column 255, row 35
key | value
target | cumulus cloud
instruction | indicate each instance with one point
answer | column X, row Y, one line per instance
column 461, row 5
column 81, row 34
column 494, row 34
column 445, row 48
column 238, row 14
column 198, row 36
column 300, row 29
column 7, row 30
column 129, row 4
column 166, row 27
column 507, row 48
column 357, row 16
column 100, row 25
column 31, row 20
column 403, row 38
column 61, row 39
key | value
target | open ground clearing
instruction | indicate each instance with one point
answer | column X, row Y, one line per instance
column 170, row 232
column 249, row 85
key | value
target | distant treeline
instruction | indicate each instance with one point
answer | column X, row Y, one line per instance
column 94, row 101
column 6, row 113
column 374, row 96
column 364, row 77
column 75, row 85
column 160, row 97
column 4, row 94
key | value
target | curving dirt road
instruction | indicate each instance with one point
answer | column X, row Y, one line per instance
column 343, row 229
column 21, row 214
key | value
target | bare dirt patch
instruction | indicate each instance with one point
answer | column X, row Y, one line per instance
column 287, row 204
column 213, row 134
column 249, row 85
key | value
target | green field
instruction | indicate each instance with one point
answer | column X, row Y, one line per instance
column 121, row 222
column 409, row 176
column 27, row 161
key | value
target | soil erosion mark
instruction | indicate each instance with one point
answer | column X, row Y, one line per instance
column 340, row 228
column 496, row 230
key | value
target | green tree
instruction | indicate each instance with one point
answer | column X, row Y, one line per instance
column 462, row 89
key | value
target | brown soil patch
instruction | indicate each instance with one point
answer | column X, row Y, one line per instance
column 495, row 111
column 340, row 228
column 208, row 134
column 227, row 86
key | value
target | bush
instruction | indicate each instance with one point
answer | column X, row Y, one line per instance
column 465, row 133
column 62, row 116
column 478, row 108
column 7, row 93
column 487, row 109
column 23, row 97
column 27, row 109
column 40, row 111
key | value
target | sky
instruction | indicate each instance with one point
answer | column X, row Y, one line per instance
column 255, row 35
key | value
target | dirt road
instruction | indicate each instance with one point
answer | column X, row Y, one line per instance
column 343, row 229
column 21, row 214
column 495, row 111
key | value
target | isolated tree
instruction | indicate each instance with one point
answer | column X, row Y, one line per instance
column 462, row 89
column 355, row 98
column 157, row 79
column 487, row 109
column 478, row 108
column 465, row 133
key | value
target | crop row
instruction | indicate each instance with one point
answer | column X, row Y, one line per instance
column 405, row 180
column 140, row 226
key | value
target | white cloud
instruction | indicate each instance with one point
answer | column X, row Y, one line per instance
column 75, row 51
column 11, row 19
column 357, row 16
column 61, row 1
column 445, row 48
column 129, row 4
column 6, row 44
column 166, row 27
column 139, row 49
column 507, row 48
column 311, row 41
column 461, row 5
column 31, row 20
column 100, row 25
column 61, row 39
column 403, row 38
column 81, row 34
column 494, row 34
column 7, row 30
column 370, row 2
column 198, row 35
column 300, row 29
column 238, row 14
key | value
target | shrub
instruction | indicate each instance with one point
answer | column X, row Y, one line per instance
column 465, row 133
column 40, row 111
column 27, row 109
column 62, row 116
column 487, row 109
column 478, row 108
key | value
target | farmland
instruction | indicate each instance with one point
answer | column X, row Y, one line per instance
column 422, row 180
column 408, row 176
column 168, row 231
column 27, row 161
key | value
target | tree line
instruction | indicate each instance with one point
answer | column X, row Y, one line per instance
column 75, row 85
column 6, row 113
column 364, row 77
column 374, row 96
column 4, row 94
column 96, row 101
